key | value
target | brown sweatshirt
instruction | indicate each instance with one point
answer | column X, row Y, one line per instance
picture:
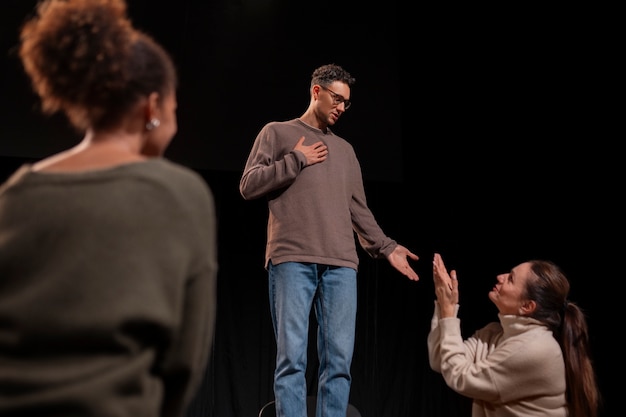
column 314, row 211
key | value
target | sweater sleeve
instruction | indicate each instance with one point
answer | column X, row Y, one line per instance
column 460, row 367
column 184, row 366
column 370, row 235
column 269, row 167
column 434, row 338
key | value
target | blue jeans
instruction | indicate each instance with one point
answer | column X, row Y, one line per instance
column 295, row 288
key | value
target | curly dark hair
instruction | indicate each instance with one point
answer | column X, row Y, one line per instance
column 84, row 58
column 327, row 74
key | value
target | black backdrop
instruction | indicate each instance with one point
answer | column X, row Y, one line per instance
column 481, row 134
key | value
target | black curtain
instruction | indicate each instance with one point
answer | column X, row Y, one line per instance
column 483, row 134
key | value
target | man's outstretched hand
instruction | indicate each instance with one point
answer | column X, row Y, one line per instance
column 399, row 259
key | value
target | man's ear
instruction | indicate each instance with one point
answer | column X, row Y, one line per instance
column 315, row 91
column 527, row 307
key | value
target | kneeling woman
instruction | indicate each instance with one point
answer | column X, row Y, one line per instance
column 533, row 362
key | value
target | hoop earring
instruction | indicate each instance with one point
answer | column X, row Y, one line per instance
column 153, row 123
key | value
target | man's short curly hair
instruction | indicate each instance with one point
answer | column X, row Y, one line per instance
column 327, row 74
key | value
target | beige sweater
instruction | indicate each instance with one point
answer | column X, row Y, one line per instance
column 513, row 368
column 107, row 291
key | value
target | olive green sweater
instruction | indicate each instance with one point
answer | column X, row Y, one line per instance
column 107, row 290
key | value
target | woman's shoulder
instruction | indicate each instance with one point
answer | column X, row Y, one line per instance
column 175, row 174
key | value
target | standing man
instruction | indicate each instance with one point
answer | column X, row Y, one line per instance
column 314, row 188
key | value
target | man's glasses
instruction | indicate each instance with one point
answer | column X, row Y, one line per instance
column 337, row 98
